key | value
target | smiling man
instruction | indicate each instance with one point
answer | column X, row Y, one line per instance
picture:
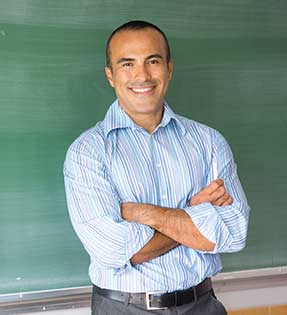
column 153, row 196
column 139, row 69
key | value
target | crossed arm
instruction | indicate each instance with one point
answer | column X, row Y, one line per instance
column 174, row 226
column 115, row 235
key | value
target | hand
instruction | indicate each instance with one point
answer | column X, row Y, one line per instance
column 214, row 193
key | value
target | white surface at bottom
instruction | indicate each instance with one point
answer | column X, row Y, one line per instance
column 78, row 311
column 254, row 297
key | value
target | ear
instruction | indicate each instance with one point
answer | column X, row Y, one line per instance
column 170, row 69
column 109, row 76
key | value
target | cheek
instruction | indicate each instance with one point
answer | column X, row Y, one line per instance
column 122, row 80
column 164, row 75
column 165, row 79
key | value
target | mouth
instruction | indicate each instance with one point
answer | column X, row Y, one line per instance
column 148, row 90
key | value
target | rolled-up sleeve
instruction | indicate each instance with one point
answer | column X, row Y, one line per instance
column 94, row 209
column 226, row 226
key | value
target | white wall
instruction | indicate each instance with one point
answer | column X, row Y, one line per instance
column 79, row 311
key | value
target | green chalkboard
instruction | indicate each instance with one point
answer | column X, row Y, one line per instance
column 230, row 73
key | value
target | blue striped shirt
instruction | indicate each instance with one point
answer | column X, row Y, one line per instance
column 117, row 161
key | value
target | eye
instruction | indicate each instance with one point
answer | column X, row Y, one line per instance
column 127, row 64
column 153, row 61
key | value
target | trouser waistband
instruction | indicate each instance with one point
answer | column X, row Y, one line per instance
column 158, row 299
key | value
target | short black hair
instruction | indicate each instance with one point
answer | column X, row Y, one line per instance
column 135, row 25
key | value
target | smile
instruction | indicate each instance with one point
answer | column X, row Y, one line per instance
column 144, row 90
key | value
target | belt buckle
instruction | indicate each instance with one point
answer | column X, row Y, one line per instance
column 148, row 301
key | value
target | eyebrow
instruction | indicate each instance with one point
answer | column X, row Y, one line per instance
column 155, row 56
column 121, row 60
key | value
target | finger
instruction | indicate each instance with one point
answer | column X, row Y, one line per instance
column 199, row 198
column 221, row 200
column 219, row 193
column 217, row 202
column 219, row 181
column 228, row 201
column 213, row 186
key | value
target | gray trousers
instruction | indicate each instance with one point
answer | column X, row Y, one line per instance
column 205, row 305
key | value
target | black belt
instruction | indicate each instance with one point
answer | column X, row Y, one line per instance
column 158, row 299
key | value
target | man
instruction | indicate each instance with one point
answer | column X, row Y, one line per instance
column 144, row 193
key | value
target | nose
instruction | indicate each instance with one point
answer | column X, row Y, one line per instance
column 142, row 73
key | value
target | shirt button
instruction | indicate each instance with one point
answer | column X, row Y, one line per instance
column 164, row 197
column 158, row 165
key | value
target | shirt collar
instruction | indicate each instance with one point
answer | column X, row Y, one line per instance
column 116, row 118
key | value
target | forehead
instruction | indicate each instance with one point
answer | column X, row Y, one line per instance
column 130, row 43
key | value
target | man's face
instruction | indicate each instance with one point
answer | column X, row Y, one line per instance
column 139, row 71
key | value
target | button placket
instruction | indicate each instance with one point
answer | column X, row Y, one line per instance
column 158, row 168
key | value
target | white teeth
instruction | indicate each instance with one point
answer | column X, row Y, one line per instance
column 141, row 90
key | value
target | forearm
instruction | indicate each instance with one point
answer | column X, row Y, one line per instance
column 174, row 223
column 157, row 246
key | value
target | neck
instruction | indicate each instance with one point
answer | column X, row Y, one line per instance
column 148, row 122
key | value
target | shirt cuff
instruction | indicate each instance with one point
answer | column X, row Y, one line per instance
column 208, row 222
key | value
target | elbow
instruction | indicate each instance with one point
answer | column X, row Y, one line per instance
column 105, row 259
column 238, row 238
column 108, row 256
column 237, row 244
column 240, row 243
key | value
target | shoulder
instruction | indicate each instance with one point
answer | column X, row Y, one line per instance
column 201, row 132
column 91, row 142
